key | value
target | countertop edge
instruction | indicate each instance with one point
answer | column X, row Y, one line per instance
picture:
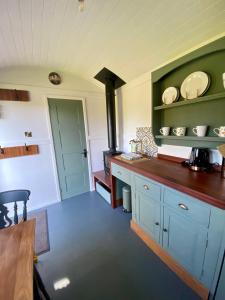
column 179, row 187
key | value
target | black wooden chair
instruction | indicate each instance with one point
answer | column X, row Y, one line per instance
column 15, row 196
column 12, row 197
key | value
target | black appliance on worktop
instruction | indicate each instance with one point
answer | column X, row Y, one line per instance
column 199, row 160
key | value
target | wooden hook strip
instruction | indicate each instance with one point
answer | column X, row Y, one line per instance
column 18, row 151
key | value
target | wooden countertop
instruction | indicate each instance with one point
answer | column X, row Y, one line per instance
column 208, row 187
column 16, row 261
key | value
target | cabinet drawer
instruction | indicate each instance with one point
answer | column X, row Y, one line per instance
column 187, row 206
column 103, row 192
column 148, row 187
column 120, row 173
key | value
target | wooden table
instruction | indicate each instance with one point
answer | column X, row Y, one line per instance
column 16, row 261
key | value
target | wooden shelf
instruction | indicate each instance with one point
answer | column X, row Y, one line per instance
column 192, row 138
column 103, row 178
column 193, row 101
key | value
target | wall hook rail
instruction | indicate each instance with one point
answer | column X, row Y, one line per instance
column 8, row 152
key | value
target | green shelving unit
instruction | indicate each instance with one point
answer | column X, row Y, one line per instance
column 192, row 101
column 205, row 110
column 212, row 142
column 193, row 138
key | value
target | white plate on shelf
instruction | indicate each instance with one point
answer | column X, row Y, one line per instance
column 195, row 85
column 170, row 95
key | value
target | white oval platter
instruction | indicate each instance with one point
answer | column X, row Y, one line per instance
column 195, row 85
column 170, row 95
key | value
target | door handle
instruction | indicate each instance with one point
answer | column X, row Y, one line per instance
column 146, row 187
column 84, row 153
column 183, row 206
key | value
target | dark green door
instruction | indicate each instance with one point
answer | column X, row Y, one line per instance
column 67, row 122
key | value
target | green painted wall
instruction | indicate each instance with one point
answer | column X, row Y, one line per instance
column 209, row 59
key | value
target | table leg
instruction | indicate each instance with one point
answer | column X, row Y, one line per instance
column 113, row 191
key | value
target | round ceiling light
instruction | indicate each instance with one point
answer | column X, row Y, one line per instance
column 54, row 78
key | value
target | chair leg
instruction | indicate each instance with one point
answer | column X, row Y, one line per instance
column 40, row 284
column 36, row 293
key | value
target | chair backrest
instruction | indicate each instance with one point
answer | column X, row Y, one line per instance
column 12, row 197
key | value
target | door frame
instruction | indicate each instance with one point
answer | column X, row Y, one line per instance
column 53, row 154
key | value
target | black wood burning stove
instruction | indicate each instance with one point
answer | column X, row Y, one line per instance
column 111, row 82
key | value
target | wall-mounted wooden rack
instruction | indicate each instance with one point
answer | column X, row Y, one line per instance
column 14, row 95
column 16, row 151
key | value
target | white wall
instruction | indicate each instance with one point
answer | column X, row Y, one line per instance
column 38, row 172
column 134, row 108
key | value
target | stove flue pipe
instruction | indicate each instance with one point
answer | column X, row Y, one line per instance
column 111, row 114
column 111, row 82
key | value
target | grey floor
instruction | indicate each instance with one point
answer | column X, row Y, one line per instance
column 93, row 246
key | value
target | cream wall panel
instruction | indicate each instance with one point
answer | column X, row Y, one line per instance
column 33, row 173
column 97, row 124
column 135, row 108
column 38, row 172
column 97, row 145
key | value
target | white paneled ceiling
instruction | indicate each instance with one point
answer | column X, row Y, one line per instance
column 128, row 36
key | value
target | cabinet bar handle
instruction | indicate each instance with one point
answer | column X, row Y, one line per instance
column 157, row 223
column 183, row 206
column 146, row 187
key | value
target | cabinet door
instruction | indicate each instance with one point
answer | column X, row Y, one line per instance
column 148, row 215
column 221, row 285
column 185, row 240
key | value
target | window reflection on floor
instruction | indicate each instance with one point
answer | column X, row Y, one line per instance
column 61, row 283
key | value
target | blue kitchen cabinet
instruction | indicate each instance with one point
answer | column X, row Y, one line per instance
column 191, row 231
column 148, row 207
column 193, row 234
column 220, row 293
column 185, row 240
column 148, row 215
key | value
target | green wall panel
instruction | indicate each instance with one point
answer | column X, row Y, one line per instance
column 211, row 113
column 212, row 64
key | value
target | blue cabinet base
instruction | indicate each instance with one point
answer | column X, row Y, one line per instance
column 171, row 263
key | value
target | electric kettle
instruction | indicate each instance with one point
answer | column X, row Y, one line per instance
column 199, row 159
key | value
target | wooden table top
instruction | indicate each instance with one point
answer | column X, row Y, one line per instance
column 208, row 187
column 16, row 261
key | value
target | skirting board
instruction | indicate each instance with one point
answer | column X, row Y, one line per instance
column 171, row 263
